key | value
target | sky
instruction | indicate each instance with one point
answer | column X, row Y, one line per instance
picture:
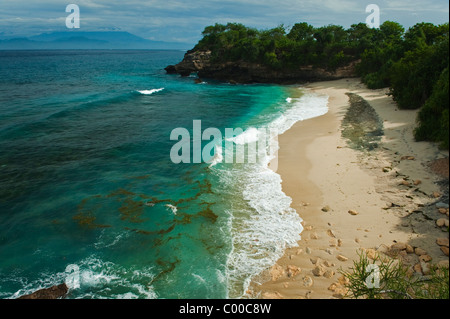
column 183, row 21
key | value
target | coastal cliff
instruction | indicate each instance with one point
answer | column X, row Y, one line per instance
column 200, row 62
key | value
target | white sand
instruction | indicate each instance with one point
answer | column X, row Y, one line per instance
column 319, row 169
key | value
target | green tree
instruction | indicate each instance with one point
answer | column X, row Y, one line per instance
column 384, row 48
column 361, row 38
column 301, row 32
column 330, row 34
column 423, row 34
column 391, row 31
column 433, row 118
column 414, row 76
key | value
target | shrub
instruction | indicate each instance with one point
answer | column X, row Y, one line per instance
column 394, row 280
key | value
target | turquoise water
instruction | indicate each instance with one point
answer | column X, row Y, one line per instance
column 89, row 194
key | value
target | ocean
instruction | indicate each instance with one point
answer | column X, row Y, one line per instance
column 89, row 192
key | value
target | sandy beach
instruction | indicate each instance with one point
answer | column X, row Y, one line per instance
column 353, row 199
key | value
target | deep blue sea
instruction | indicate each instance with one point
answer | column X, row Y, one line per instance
column 90, row 196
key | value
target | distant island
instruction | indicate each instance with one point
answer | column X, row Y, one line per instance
column 82, row 40
column 414, row 64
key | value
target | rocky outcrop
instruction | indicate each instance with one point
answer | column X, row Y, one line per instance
column 55, row 292
column 194, row 61
column 244, row 72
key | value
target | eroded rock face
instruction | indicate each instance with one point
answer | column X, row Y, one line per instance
column 245, row 72
column 194, row 61
column 54, row 292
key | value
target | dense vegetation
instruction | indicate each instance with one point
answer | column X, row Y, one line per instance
column 413, row 64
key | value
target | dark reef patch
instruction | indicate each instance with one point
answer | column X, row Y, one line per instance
column 362, row 126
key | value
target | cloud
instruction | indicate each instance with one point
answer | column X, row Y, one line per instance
column 176, row 19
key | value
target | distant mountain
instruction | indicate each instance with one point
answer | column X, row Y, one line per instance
column 88, row 40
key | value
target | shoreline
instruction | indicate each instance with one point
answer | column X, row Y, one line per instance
column 326, row 179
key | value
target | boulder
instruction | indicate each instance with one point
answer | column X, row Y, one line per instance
column 293, row 271
column 272, row 295
column 426, row 269
column 308, row 281
column 425, row 258
column 326, row 209
column 328, row 273
column 442, row 242
column 319, row 270
column 442, row 205
column 55, row 292
column 371, row 254
column 277, row 272
column 418, row 268
column 331, row 233
column 441, row 222
column 344, row 281
column 314, row 236
column 398, row 246
column 333, row 242
column 340, row 292
column 333, row 287
column 171, row 69
column 409, row 249
column 420, row 251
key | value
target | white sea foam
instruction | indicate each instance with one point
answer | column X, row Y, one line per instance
column 108, row 239
column 199, row 278
column 265, row 224
column 218, row 156
column 306, row 107
column 150, row 92
column 127, row 296
column 173, row 208
column 251, row 135
column 98, row 276
column 98, row 279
